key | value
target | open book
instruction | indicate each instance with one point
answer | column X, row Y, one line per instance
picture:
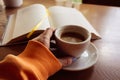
column 36, row 18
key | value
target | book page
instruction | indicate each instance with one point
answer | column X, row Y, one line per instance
column 62, row 16
column 27, row 18
column 9, row 29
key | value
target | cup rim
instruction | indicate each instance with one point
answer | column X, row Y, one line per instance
column 86, row 40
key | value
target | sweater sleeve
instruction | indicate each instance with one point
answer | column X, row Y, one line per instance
column 36, row 62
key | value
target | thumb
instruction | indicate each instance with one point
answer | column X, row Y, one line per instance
column 45, row 37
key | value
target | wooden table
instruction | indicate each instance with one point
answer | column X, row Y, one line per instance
column 106, row 20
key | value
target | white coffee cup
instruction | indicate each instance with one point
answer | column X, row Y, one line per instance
column 73, row 40
column 13, row 3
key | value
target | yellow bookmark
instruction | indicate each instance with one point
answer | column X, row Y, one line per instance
column 39, row 24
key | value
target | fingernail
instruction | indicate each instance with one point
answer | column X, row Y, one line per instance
column 74, row 59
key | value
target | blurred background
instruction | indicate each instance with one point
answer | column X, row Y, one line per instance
column 103, row 2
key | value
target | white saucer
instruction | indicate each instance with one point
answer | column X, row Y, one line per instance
column 87, row 59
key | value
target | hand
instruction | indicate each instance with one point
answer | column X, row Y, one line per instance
column 45, row 39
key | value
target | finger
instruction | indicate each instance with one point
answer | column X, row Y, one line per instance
column 48, row 33
column 45, row 37
column 66, row 61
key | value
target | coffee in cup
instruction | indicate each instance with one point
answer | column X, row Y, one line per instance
column 72, row 39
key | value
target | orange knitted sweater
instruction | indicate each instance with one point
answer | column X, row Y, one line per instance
column 36, row 62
